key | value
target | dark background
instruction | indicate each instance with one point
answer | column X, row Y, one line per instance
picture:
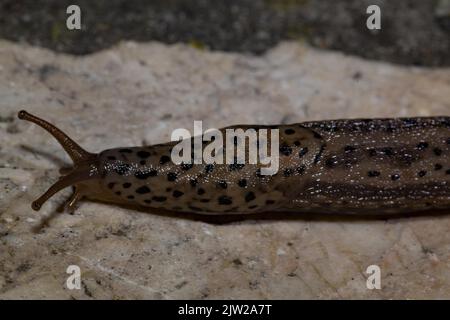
column 414, row 32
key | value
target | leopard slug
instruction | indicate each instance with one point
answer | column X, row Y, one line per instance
column 356, row 166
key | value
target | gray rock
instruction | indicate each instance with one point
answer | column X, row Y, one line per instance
column 137, row 94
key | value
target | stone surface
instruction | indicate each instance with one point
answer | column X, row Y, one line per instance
column 137, row 94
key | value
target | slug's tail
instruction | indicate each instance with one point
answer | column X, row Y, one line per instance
column 85, row 166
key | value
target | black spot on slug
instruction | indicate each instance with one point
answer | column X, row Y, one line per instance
column 407, row 159
column 236, row 166
column 422, row 146
column 177, row 193
column 331, row 162
column 164, row 159
column 142, row 190
column 225, row 200
column 142, row 175
column 222, row 184
column 172, row 176
column 445, row 122
column 289, row 131
column 186, row 166
column 122, row 169
column 387, row 151
column 316, row 135
column 249, row 196
column 301, row 169
column 285, row 150
column 372, row 152
column 143, row 154
column 437, row 151
column 142, row 162
column 297, row 143
column 111, row 185
column 270, row 201
column 209, row 168
column 448, row 171
column 242, row 183
column 148, row 201
column 126, row 185
column 131, row 197
column 410, row 122
column 200, row 191
column 319, row 154
column 193, row 182
column 395, row 177
column 437, row 166
column 349, row 149
column 118, row 193
column 159, row 198
column 373, row 173
column 422, row 173
column 303, row 151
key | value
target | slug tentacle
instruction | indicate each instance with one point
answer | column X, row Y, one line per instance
column 78, row 174
column 76, row 153
column 85, row 163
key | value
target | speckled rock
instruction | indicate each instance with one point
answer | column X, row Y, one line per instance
column 137, row 94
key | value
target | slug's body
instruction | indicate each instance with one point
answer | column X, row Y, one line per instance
column 343, row 166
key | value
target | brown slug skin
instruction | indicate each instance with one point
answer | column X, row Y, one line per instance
column 360, row 166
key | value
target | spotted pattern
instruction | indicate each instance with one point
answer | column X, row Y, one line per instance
column 387, row 165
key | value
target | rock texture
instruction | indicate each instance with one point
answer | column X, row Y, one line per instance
column 137, row 94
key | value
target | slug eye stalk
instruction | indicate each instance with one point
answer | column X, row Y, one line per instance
column 85, row 163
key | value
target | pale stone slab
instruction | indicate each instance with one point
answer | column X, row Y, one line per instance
column 137, row 94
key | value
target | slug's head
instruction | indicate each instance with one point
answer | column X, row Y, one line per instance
column 85, row 163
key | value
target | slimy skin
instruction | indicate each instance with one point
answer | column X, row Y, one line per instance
column 379, row 166
column 359, row 166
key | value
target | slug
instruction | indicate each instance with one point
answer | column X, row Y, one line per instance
column 356, row 166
